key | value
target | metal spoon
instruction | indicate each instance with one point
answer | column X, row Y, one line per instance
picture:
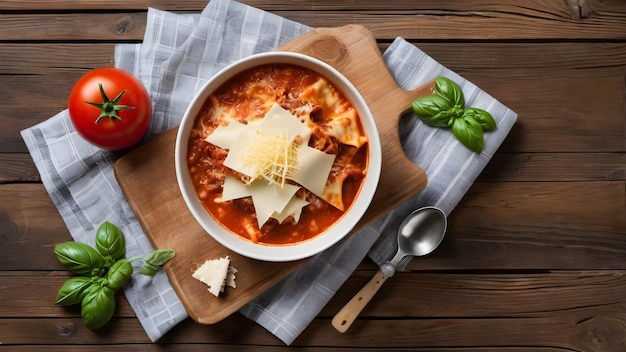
column 420, row 233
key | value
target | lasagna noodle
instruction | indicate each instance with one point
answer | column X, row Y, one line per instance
column 343, row 122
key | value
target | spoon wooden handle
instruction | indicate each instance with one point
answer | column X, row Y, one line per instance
column 346, row 316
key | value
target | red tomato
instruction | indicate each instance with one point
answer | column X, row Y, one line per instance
column 110, row 108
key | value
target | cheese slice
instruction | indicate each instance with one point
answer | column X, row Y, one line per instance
column 234, row 189
column 216, row 273
column 271, row 151
column 265, row 143
column 279, row 119
column 269, row 199
column 293, row 208
column 313, row 170
column 230, row 277
column 224, row 135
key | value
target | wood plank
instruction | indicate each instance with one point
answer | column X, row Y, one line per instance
column 504, row 167
column 481, row 5
column 560, row 64
column 559, row 110
column 476, row 295
column 236, row 348
column 28, row 59
column 594, row 58
column 563, row 309
column 564, row 225
column 567, row 57
column 548, row 167
column 102, row 5
column 559, row 119
column 442, row 294
column 182, row 347
column 568, row 330
column 528, row 75
column 583, row 328
column 30, row 226
column 32, row 294
column 535, row 226
column 130, row 26
column 531, row 8
column 17, row 168
column 121, row 27
column 464, row 26
column 28, row 104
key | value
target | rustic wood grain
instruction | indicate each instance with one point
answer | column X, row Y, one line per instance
column 605, row 58
column 555, row 7
column 506, row 22
column 534, row 89
column 444, row 294
column 30, row 227
column 534, row 257
column 568, row 9
column 584, row 329
column 553, row 116
column 576, row 310
column 28, row 59
column 564, row 234
column 17, row 167
column 519, row 167
column 237, row 348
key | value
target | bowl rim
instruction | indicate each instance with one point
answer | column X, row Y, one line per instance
column 319, row 243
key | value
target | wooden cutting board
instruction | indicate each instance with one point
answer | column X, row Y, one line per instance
column 148, row 179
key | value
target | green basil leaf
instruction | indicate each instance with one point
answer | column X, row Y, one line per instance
column 149, row 270
column 450, row 90
column 119, row 274
column 98, row 307
column 469, row 132
column 483, row 117
column 72, row 291
column 429, row 106
column 110, row 241
column 80, row 258
column 160, row 256
column 442, row 119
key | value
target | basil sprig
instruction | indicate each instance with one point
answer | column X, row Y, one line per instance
column 446, row 109
column 103, row 271
column 154, row 261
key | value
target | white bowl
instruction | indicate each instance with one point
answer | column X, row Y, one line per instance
column 280, row 253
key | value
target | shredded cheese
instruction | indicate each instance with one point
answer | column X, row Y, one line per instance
column 271, row 156
column 273, row 149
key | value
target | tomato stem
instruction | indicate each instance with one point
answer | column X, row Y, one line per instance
column 109, row 108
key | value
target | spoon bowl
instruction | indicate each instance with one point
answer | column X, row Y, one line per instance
column 419, row 234
column 422, row 231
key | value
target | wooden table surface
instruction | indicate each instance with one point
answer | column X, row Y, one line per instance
column 535, row 255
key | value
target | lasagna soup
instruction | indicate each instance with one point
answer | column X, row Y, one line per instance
column 277, row 154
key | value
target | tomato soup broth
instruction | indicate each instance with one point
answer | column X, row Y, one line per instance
column 316, row 103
